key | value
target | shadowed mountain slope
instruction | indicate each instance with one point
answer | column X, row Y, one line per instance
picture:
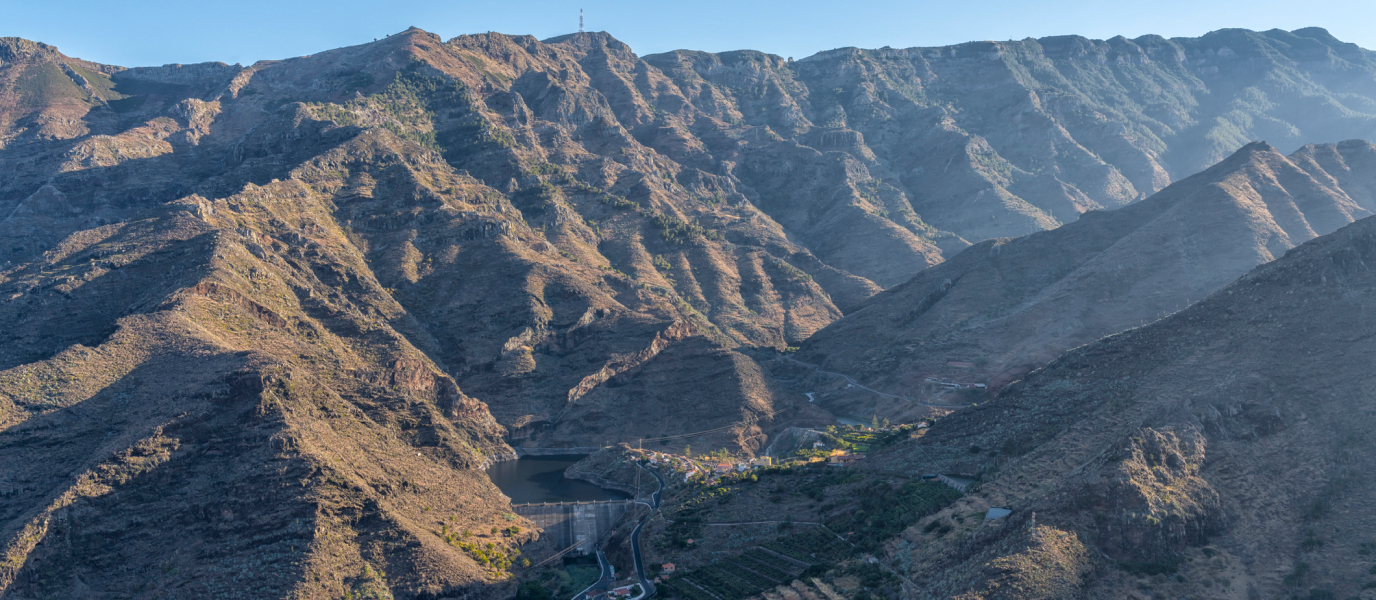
column 1004, row 307
column 1162, row 450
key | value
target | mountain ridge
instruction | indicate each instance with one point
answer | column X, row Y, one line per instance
column 1159, row 448
column 1006, row 307
column 341, row 284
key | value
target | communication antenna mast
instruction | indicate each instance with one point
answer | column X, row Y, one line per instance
column 580, row 20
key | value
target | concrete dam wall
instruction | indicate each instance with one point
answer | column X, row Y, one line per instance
column 570, row 523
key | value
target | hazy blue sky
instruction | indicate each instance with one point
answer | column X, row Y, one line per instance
column 152, row 32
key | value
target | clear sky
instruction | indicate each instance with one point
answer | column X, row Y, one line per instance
column 154, row 32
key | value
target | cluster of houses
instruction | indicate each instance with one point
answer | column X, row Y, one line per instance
column 675, row 463
column 722, row 468
column 713, row 469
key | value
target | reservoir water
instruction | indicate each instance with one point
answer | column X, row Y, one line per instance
column 533, row 479
column 852, row 421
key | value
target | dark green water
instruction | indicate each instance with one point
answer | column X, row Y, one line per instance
column 541, row 479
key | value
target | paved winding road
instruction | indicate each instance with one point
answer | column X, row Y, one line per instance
column 646, row 586
column 604, row 583
column 852, row 381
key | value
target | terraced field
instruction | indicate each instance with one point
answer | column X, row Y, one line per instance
column 811, row 589
column 812, row 547
column 763, row 570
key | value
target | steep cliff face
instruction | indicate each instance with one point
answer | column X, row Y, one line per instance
column 1004, row 307
column 1165, row 447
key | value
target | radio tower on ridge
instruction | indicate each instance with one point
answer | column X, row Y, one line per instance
column 580, row 20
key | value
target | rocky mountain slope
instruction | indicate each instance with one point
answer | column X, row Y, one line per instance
column 1221, row 452
column 226, row 289
column 549, row 298
column 185, row 402
column 235, row 301
column 1004, row 307
column 994, row 139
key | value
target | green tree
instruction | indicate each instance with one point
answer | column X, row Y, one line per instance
column 533, row 590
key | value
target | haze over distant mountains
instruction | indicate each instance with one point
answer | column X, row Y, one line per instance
column 224, row 286
column 1004, row 307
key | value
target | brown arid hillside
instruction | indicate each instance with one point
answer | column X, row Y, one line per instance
column 1007, row 306
column 998, row 139
column 1225, row 451
column 549, row 296
column 255, row 318
column 51, row 96
column 263, row 325
column 186, row 410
